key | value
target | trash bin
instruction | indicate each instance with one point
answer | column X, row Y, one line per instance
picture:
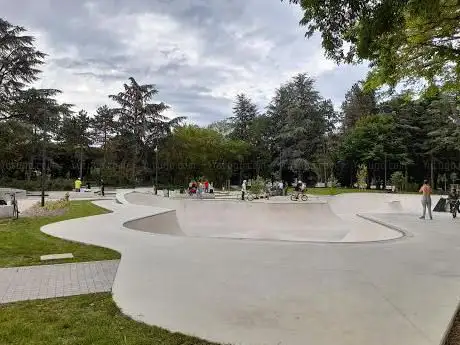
column 166, row 193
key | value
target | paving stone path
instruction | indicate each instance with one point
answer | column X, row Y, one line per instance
column 49, row 281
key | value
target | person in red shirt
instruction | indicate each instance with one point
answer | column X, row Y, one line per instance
column 206, row 186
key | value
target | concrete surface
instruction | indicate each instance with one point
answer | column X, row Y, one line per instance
column 403, row 291
column 56, row 256
column 39, row 282
column 326, row 219
column 6, row 211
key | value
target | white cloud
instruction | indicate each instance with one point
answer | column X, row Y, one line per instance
column 199, row 60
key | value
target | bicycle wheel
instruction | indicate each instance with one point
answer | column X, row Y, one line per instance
column 250, row 197
column 293, row 197
column 304, row 197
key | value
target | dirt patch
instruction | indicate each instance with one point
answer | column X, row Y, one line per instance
column 454, row 335
column 51, row 209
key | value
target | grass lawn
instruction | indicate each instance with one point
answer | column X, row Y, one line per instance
column 80, row 320
column 22, row 243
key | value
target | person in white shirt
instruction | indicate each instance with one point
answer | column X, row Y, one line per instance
column 243, row 189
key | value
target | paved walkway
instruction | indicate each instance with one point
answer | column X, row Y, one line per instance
column 38, row 282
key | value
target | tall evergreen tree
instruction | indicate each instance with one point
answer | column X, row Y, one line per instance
column 244, row 112
column 306, row 122
column 103, row 128
column 358, row 103
column 19, row 60
column 140, row 120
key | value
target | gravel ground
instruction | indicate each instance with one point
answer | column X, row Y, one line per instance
column 37, row 211
column 454, row 335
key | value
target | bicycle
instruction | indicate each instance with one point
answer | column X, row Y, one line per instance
column 249, row 196
column 454, row 207
column 14, row 203
column 295, row 196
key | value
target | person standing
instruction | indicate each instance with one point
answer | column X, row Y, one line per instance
column 426, row 199
column 200, row 189
column 102, row 188
column 243, row 189
column 78, row 184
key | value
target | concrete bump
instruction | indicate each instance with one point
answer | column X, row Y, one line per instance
column 56, row 256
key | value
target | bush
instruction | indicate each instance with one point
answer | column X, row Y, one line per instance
column 412, row 187
column 59, row 184
column 397, row 179
column 361, row 176
column 257, row 186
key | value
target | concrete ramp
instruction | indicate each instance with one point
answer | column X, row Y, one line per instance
column 331, row 220
column 276, row 221
column 162, row 223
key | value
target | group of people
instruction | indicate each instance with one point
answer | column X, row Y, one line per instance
column 78, row 183
column 199, row 187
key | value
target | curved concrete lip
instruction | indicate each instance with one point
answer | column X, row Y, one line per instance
column 269, row 220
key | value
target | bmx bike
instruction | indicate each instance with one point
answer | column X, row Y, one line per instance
column 295, row 196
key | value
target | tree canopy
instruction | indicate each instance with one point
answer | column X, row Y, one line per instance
column 19, row 62
column 403, row 40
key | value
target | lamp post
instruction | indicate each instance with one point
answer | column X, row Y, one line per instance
column 156, row 170
column 385, row 180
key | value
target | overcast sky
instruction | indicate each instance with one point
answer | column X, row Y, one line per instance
column 199, row 53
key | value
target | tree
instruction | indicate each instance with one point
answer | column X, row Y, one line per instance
column 403, row 40
column 39, row 108
column 224, row 127
column 303, row 119
column 373, row 140
column 74, row 133
column 397, row 179
column 192, row 151
column 103, row 128
column 361, row 176
column 358, row 103
column 244, row 112
column 141, row 121
column 18, row 64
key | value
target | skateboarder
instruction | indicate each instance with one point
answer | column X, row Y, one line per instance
column 426, row 199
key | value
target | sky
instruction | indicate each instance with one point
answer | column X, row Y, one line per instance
column 199, row 53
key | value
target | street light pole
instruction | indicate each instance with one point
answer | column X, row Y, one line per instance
column 281, row 167
column 81, row 161
column 156, row 170
column 385, row 181
column 42, row 187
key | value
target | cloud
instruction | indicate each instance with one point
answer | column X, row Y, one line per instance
column 198, row 53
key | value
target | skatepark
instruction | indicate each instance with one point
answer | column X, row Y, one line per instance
column 356, row 268
column 341, row 218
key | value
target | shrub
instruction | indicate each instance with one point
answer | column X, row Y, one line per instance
column 397, row 179
column 361, row 176
column 258, row 186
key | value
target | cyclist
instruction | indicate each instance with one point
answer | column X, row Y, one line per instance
column 298, row 189
column 453, row 199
